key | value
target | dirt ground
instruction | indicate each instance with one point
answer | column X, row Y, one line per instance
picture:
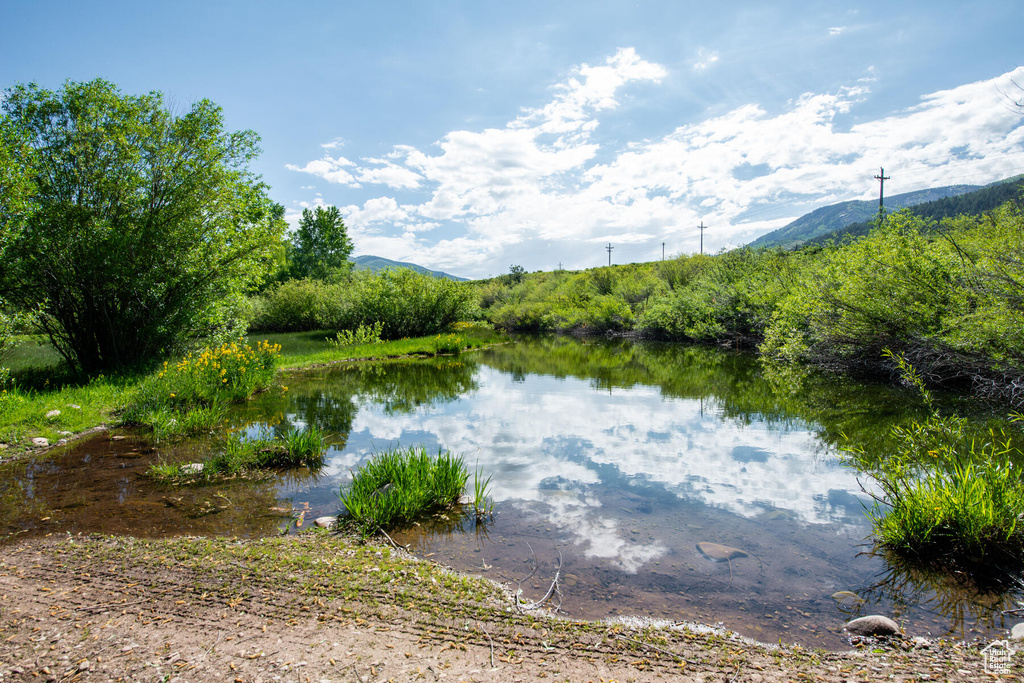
column 322, row 608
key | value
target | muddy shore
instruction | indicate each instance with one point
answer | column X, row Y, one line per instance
column 321, row 607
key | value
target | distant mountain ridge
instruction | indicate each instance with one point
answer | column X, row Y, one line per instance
column 829, row 219
column 970, row 203
column 378, row 263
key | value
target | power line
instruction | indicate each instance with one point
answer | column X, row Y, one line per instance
column 881, row 178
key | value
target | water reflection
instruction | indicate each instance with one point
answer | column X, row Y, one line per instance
column 619, row 457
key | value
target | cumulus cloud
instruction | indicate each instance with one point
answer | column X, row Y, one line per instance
column 548, row 178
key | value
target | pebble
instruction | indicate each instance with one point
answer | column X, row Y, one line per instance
column 1017, row 633
column 40, row 441
column 52, row 414
column 873, row 625
column 192, row 468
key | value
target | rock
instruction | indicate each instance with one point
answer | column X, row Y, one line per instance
column 192, row 468
column 40, row 441
column 74, row 406
column 1017, row 632
column 873, row 625
column 921, row 643
column 717, row 552
column 325, row 522
column 119, row 437
column 52, row 414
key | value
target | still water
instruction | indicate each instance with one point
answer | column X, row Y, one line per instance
column 612, row 460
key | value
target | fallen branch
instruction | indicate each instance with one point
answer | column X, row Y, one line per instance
column 553, row 589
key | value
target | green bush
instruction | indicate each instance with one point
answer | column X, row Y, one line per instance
column 409, row 304
column 298, row 306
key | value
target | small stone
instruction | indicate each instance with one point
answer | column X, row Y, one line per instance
column 921, row 643
column 325, row 522
column 119, row 437
column 75, row 406
column 40, row 441
column 52, row 414
column 1017, row 632
column 716, row 552
column 192, row 468
column 83, row 665
column 873, row 625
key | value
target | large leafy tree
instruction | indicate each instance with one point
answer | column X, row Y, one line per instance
column 321, row 246
column 135, row 230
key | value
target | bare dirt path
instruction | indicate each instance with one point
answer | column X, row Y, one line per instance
column 322, row 608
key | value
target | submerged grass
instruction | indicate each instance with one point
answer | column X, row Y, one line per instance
column 399, row 486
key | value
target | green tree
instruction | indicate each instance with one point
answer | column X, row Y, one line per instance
column 143, row 227
column 321, row 246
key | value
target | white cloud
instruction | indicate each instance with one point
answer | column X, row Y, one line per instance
column 548, row 177
column 705, row 59
column 836, row 30
column 330, row 169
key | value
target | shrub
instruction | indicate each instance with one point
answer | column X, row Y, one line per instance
column 298, row 306
column 407, row 303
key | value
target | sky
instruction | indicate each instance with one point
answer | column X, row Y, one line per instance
column 472, row 136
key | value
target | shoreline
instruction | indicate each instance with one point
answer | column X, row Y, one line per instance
column 248, row 610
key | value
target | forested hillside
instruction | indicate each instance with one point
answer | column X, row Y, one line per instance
column 828, row 219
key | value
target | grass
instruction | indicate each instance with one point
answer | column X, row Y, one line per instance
column 295, row 448
column 399, row 486
column 949, row 497
column 313, row 348
column 40, row 386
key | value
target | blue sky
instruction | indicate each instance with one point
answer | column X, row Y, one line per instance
column 469, row 136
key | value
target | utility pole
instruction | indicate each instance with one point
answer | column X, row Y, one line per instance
column 559, row 265
column 702, row 229
column 609, row 248
column 881, row 178
column 662, row 251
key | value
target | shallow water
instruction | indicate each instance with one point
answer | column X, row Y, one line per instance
column 615, row 459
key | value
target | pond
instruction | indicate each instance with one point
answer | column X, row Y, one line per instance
column 628, row 465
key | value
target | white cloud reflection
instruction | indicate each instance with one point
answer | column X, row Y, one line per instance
column 548, row 443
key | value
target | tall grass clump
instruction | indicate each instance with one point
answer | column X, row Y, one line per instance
column 398, row 486
column 948, row 496
column 200, row 384
column 364, row 334
column 294, row 448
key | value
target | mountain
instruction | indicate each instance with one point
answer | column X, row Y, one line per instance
column 829, row 219
column 969, row 203
column 377, row 263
